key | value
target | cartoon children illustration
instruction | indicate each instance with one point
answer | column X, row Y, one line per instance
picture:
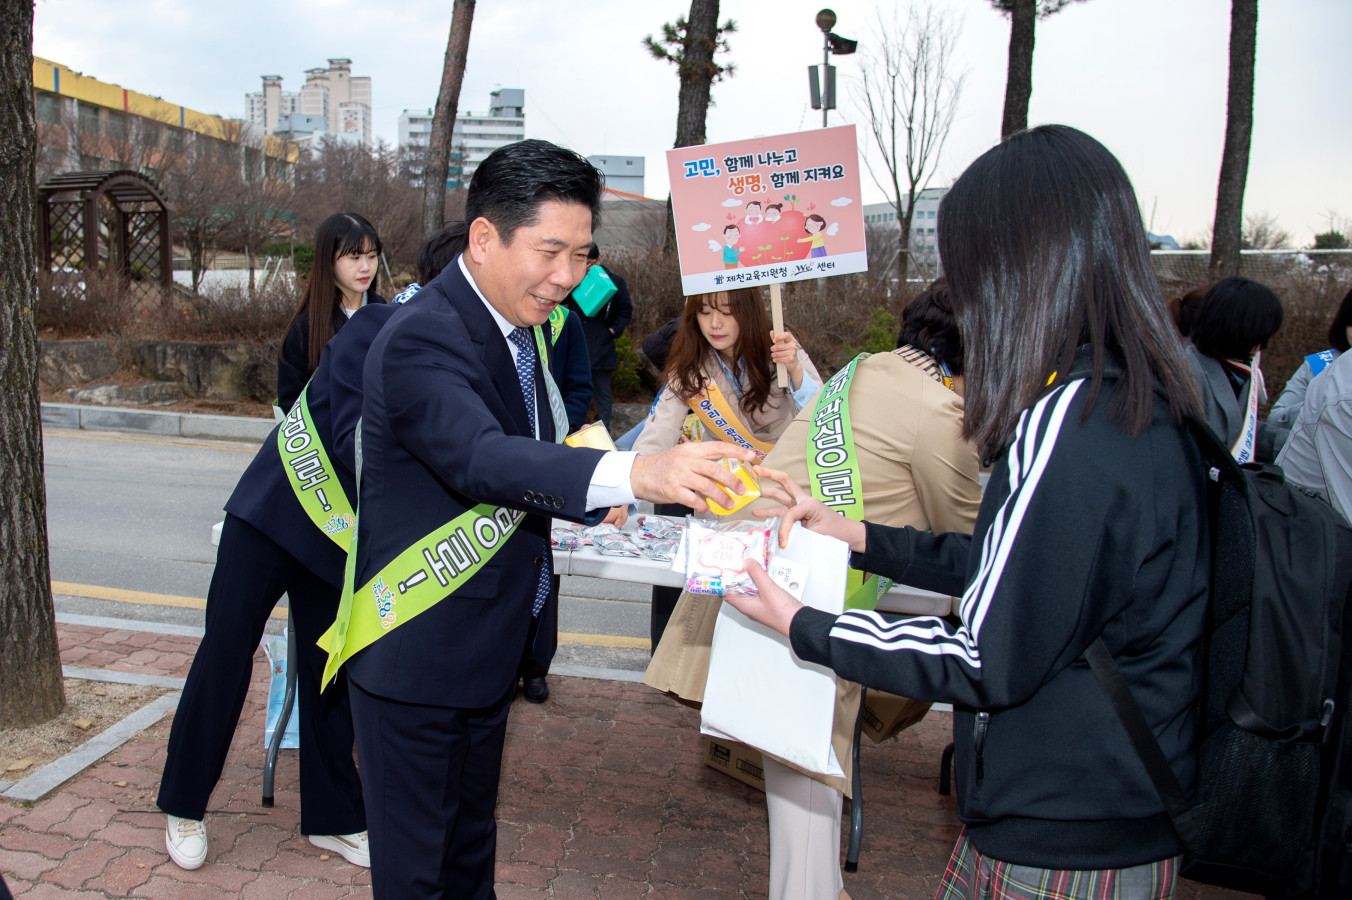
column 753, row 216
column 815, row 226
column 731, row 252
column 772, row 212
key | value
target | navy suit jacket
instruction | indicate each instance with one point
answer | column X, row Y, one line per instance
column 264, row 497
column 445, row 428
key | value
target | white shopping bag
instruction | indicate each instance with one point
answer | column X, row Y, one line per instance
column 762, row 695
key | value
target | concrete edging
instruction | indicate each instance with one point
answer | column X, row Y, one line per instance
column 59, row 771
column 145, row 421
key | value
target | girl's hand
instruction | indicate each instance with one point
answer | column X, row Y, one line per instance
column 797, row 505
column 784, row 352
column 617, row 516
column 773, row 606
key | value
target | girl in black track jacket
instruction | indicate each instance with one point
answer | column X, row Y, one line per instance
column 1093, row 524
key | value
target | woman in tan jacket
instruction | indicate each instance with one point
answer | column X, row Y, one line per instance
column 721, row 369
column 905, row 412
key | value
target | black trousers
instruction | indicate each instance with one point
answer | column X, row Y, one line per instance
column 603, row 394
column 430, row 774
column 251, row 575
column 664, row 598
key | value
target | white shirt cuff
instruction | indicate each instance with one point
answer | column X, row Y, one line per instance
column 610, row 481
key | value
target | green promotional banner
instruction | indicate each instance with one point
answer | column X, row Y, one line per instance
column 414, row 581
column 833, row 473
column 312, row 476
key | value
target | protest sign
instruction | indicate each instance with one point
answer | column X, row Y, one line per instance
column 767, row 210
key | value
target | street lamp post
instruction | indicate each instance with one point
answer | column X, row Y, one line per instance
column 823, row 95
column 826, row 20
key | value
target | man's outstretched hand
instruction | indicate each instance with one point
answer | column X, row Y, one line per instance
column 687, row 473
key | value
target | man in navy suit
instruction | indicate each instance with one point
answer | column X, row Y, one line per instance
column 456, row 413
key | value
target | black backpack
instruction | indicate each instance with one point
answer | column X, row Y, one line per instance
column 1273, row 809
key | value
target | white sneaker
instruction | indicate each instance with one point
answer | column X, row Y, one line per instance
column 186, row 841
column 352, row 847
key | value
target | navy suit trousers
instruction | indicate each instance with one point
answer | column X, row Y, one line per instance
column 430, row 774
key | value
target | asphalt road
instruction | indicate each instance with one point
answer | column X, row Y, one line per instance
column 129, row 523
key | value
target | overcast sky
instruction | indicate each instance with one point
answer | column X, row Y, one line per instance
column 1146, row 77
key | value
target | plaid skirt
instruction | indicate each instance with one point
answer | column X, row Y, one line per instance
column 972, row 876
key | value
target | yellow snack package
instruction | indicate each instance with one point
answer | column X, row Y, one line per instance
column 693, row 429
column 743, row 473
column 593, row 435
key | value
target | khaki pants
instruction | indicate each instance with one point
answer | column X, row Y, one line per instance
column 804, row 835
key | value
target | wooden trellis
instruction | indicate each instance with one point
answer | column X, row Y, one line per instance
column 70, row 222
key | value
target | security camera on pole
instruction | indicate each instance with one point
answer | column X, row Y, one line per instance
column 823, row 93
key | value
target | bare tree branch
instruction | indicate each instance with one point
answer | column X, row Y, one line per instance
column 910, row 98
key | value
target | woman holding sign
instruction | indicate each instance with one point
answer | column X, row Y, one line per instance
column 721, row 371
column 901, row 416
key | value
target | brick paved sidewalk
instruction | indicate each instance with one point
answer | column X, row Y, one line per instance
column 603, row 796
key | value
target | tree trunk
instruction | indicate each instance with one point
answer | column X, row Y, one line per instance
column 251, row 261
column 30, row 665
column 904, row 243
column 697, row 72
column 443, row 119
column 1229, row 223
column 1019, row 80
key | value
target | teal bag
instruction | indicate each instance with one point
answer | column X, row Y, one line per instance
column 594, row 291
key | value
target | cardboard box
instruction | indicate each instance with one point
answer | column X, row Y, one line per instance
column 738, row 760
column 887, row 714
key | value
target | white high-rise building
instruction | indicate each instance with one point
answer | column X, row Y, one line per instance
column 333, row 94
column 475, row 135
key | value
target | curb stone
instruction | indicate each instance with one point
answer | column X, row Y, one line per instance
column 114, row 418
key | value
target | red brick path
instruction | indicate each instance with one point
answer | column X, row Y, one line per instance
column 603, row 796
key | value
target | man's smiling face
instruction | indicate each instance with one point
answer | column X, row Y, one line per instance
column 526, row 277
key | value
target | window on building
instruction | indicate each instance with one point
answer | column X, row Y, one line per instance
column 89, row 118
column 117, row 125
column 49, row 108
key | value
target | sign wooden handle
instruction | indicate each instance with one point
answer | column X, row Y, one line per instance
column 777, row 323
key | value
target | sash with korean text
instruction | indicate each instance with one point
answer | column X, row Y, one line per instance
column 710, row 406
column 311, row 474
column 833, row 474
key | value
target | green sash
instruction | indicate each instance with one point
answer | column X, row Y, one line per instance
column 833, row 474
column 556, row 320
column 431, row 570
column 415, row 580
column 307, row 467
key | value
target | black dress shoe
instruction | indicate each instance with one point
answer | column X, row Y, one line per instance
column 534, row 688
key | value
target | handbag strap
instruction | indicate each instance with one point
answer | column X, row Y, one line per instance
column 1138, row 730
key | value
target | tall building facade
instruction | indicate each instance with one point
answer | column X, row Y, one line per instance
column 331, row 94
column 475, row 135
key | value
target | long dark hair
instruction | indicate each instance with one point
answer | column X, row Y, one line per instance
column 1042, row 242
column 341, row 234
column 691, row 355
